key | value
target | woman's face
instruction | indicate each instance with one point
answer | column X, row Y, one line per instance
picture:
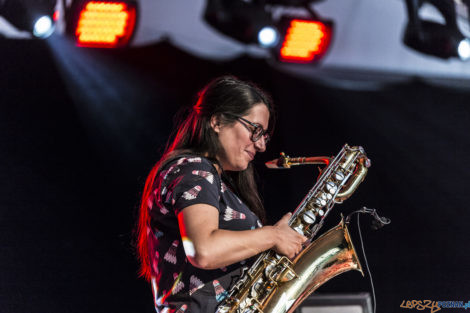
column 235, row 139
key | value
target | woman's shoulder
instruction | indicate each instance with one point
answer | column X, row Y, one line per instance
column 190, row 159
column 189, row 162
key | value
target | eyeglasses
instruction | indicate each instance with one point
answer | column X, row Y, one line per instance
column 257, row 132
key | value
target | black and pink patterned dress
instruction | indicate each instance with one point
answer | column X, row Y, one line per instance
column 177, row 285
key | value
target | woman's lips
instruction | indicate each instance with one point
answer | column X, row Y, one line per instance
column 251, row 154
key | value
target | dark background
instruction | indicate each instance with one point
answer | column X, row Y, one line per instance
column 81, row 128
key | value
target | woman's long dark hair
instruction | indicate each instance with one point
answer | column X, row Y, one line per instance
column 224, row 97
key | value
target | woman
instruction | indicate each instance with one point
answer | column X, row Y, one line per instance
column 200, row 213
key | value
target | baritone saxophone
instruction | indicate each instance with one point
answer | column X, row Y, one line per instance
column 276, row 284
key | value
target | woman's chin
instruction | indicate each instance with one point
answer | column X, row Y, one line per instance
column 238, row 167
column 244, row 167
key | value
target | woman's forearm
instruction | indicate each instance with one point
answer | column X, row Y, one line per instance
column 209, row 247
column 225, row 247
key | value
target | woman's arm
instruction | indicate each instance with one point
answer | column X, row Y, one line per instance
column 209, row 247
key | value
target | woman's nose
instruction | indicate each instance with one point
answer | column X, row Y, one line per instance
column 260, row 144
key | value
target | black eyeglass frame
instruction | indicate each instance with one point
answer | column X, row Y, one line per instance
column 255, row 137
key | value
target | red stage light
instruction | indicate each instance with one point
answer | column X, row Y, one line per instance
column 56, row 15
column 305, row 40
column 105, row 24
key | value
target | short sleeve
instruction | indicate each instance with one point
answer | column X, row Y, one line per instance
column 192, row 181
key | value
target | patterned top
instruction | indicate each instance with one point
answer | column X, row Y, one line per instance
column 185, row 181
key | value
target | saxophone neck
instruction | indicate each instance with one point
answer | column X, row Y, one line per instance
column 286, row 162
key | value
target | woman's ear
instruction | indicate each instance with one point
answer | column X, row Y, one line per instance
column 215, row 123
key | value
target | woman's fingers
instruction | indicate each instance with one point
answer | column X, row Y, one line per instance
column 289, row 242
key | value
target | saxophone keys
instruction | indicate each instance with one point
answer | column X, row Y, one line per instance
column 257, row 288
column 320, row 202
column 331, row 187
column 322, row 198
column 299, row 229
column 297, row 225
column 287, row 275
column 309, row 217
column 339, row 176
column 270, row 268
column 288, row 272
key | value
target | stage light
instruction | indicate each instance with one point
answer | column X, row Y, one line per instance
column 464, row 49
column 244, row 21
column 288, row 38
column 56, row 15
column 33, row 17
column 268, row 37
column 43, row 27
column 305, row 40
column 105, row 24
column 433, row 38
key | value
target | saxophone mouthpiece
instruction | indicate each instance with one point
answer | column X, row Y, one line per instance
column 273, row 164
column 281, row 162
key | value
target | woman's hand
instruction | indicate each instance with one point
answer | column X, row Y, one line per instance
column 288, row 241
